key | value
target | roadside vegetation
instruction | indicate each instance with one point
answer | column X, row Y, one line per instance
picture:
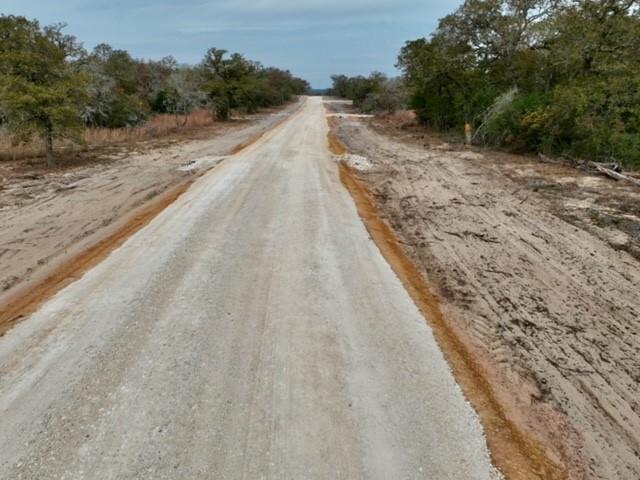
column 54, row 92
column 560, row 77
column 376, row 93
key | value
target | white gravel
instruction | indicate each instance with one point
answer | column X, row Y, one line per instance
column 252, row 330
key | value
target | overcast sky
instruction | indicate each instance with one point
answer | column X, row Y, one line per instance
column 312, row 38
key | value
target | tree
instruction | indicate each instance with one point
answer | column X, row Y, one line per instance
column 181, row 94
column 553, row 75
column 375, row 93
column 42, row 92
column 51, row 88
column 341, row 86
column 388, row 97
column 226, row 78
column 233, row 82
column 444, row 84
column 120, row 88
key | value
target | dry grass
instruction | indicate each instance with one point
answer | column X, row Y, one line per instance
column 157, row 127
column 399, row 118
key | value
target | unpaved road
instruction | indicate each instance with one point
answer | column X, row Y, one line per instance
column 549, row 302
column 49, row 215
column 252, row 330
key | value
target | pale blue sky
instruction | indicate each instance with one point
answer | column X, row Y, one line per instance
column 312, row 38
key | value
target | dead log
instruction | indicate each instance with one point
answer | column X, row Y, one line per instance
column 606, row 169
column 547, row 159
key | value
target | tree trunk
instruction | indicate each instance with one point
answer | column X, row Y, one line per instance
column 51, row 161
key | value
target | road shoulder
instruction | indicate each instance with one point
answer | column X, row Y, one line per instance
column 59, row 223
column 524, row 288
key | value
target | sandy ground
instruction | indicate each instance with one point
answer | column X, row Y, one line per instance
column 48, row 216
column 536, row 266
column 251, row 330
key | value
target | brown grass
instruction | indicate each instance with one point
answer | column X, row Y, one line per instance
column 400, row 118
column 157, row 127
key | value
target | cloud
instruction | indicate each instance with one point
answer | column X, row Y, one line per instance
column 303, row 24
column 335, row 6
column 313, row 38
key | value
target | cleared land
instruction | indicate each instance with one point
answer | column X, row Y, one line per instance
column 251, row 330
column 537, row 269
column 49, row 216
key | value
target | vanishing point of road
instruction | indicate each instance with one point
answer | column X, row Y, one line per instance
column 252, row 330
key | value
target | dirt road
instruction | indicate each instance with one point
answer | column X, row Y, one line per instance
column 252, row 330
column 542, row 290
column 48, row 216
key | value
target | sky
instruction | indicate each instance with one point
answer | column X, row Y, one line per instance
column 312, row 38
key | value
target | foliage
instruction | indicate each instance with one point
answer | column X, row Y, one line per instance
column 375, row 93
column 41, row 90
column 573, row 64
column 124, row 91
column 235, row 83
column 181, row 94
column 51, row 88
column 388, row 97
column 503, row 122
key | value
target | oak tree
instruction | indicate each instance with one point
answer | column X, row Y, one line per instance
column 42, row 92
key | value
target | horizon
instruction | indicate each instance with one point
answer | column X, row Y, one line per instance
column 313, row 41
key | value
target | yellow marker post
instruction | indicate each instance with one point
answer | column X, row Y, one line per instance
column 468, row 133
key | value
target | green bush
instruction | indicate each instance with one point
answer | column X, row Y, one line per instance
column 373, row 94
column 125, row 111
column 513, row 125
column 597, row 120
column 574, row 65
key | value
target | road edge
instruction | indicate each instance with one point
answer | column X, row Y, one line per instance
column 514, row 451
column 26, row 299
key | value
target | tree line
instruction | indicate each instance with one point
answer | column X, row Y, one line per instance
column 52, row 88
column 555, row 76
column 376, row 93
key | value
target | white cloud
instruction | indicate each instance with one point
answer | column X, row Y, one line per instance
column 301, row 5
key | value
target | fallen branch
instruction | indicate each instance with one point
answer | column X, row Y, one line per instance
column 547, row 159
column 612, row 170
column 606, row 169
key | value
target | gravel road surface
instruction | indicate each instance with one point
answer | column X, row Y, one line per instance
column 252, row 330
column 50, row 215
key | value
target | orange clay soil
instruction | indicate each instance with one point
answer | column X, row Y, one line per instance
column 22, row 303
column 27, row 296
column 514, row 452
